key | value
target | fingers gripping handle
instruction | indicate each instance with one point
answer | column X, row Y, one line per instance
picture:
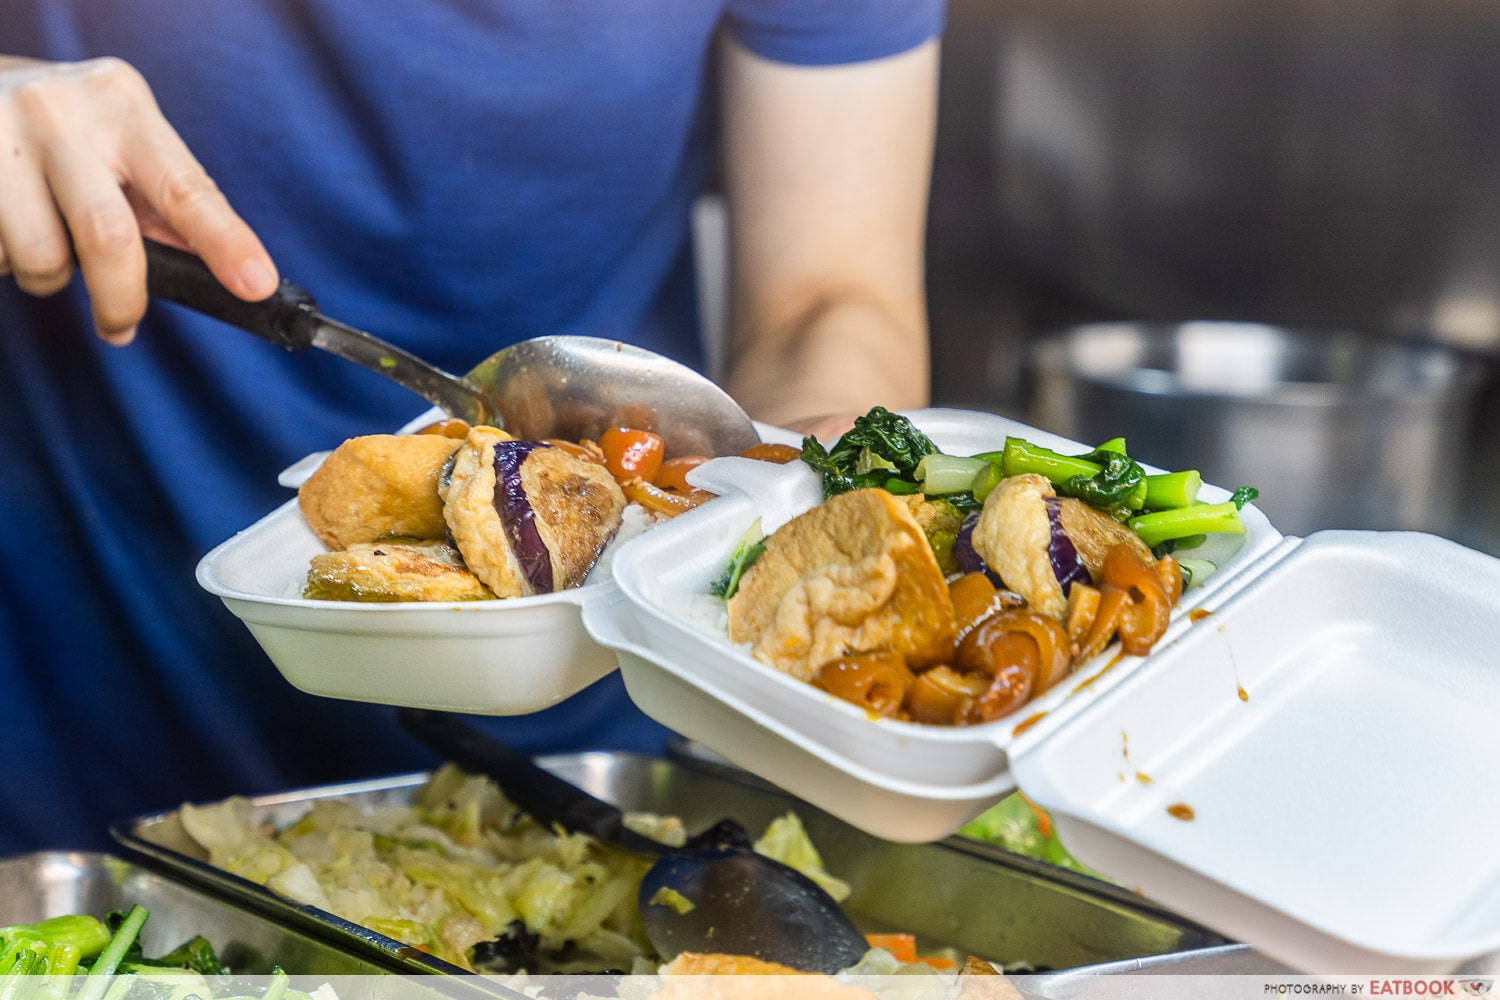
column 288, row 317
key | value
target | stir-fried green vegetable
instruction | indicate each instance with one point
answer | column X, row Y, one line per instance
column 58, row 946
column 881, row 449
column 885, row 449
column 107, row 958
column 749, row 550
column 78, row 943
column 54, row 946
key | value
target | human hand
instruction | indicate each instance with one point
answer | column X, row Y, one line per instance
column 88, row 165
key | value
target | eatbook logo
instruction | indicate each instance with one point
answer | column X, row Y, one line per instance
column 1477, row 987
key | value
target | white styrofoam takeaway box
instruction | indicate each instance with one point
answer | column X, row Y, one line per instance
column 1307, row 761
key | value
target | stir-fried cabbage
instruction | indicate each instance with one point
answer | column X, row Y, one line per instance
column 786, row 840
column 457, row 867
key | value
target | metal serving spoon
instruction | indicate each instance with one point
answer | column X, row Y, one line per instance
column 715, row 894
column 548, row 387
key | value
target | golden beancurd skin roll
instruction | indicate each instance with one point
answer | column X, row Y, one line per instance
column 378, row 486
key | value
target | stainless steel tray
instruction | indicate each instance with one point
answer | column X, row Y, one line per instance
column 37, row 886
column 956, row 893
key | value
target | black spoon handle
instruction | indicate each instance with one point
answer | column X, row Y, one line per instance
column 288, row 317
column 538, row 791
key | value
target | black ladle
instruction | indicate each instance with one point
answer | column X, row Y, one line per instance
column 727, row 898
column 546, row 387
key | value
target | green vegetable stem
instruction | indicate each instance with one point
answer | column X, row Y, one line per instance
column 941, row 474
column 1171, row 490
column 1105, row 478
column 85, row 934
column 112, row 954
column 51, row 947
column 1199, row 519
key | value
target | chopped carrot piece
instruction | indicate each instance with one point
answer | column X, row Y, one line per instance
column 903, row 946
column 1043, row 819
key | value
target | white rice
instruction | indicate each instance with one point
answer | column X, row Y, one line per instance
column 634, row 519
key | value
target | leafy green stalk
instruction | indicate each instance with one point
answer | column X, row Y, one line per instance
column 87, row 934
column 1118, row 488
column 1020, row 457
column 940, row 474
column 276, row 988
column 111, row 955
column 881, row 449
column 1116, row 445
column 1171, row 490
column 63, row 959
column 989, row 477
column 1106, row 478
column 196, row 954
column 745, row 554
column 23, row 957
column 1195, row 570
column 1199, row 519
column 121, row 988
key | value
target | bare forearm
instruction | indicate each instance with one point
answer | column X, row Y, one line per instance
column 845, row 354
column 827, row 171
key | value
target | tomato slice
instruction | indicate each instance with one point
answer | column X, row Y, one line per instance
column 631, row 453
column 450, row 427
column 588, row 451
column 660, row 501
column 765, row 452
column 673, row 473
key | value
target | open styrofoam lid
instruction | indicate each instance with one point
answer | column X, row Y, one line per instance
column 1313, row 767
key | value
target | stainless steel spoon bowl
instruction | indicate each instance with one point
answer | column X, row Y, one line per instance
column 548, row 387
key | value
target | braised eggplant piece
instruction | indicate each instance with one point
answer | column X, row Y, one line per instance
column 529, row 518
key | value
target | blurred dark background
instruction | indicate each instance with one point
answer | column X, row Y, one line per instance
column 1310, row 163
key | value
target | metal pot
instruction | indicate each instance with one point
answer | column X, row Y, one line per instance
column 1336, row 429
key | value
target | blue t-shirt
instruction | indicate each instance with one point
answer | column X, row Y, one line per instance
column 451, row 175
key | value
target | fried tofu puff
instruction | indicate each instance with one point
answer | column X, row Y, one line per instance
column 378, row 486
column 685, row 977
column 853, row 574
column 393, row 570
column 528, row 518
column 1014, row 536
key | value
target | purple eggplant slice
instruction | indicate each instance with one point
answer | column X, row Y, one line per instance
column 528, row 518
column 1042, row 544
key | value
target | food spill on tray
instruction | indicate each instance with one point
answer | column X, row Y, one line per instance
column 460, row 513
column 464, row 875
column 951, row 590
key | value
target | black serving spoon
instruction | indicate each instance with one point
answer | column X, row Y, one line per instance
column 547, row 387
column 714, row 894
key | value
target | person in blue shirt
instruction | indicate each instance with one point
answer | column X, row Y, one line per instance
column 453, row 176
